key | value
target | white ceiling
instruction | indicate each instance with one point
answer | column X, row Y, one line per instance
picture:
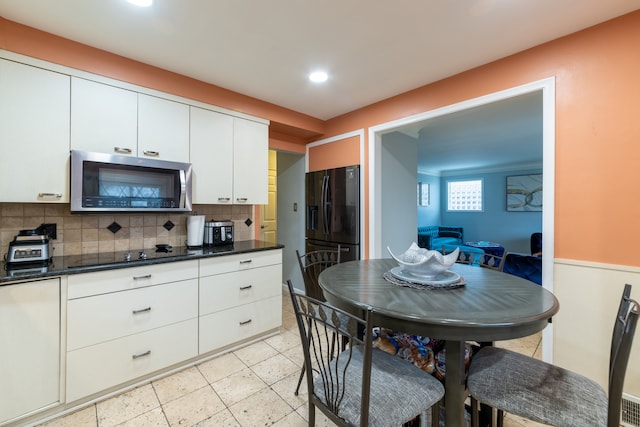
column 503, row 135
column 372, row 49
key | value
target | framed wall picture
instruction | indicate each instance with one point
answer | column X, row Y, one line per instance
column 423, row 194
column 524, row 193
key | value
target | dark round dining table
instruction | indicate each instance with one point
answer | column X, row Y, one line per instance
column 491, row 306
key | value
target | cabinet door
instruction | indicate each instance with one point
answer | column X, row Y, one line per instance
column 163, row 129
column 250, row 162
column 211, row 153
column 104, row 118
column 30, row 349
column 34, row 130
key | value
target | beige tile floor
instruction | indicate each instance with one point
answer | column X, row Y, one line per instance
column 249, row 387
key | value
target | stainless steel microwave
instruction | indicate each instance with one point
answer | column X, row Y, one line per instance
column 103, row 182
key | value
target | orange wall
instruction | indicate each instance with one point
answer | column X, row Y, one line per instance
column 597, row 131
column 343, row 152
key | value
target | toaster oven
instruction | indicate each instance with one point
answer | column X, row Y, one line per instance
column 218, row 233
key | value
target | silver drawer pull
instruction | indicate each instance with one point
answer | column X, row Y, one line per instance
column 244, row 288
column 136, row 356
column 54, row 195
column 241, row 199
column 224, row 199
column 142, row 310
column 122, row 150
column 146, row 276
column 151, row 153
column 248, row 261
column 245, row 322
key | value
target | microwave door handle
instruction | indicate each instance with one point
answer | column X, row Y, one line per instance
column 183, row 188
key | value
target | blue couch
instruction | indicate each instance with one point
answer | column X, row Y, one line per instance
column 434, row 236
column 526, row 266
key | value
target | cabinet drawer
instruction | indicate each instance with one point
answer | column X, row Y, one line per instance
column 228, row 290
column 239, row 262
column 228, row 326
column 105, row 317
column 96, row 368
column 101, row 282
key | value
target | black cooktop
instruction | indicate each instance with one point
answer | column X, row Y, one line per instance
column 141, row 256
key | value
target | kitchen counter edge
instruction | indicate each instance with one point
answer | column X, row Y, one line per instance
column 59, row 267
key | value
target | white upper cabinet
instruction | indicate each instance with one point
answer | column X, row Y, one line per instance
column 229, row 157
column 44, row 114
column 163, row 129
column 211, row 153
column 104, row 119
column 34, row 132
column 108, row 119
column 250, row 162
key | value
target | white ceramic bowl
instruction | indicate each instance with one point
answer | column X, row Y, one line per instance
column 425, row 263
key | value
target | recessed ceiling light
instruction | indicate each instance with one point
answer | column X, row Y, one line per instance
column 141, row 3
column 318, row 76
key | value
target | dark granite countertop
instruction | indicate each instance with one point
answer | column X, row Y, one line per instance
column 77, row 264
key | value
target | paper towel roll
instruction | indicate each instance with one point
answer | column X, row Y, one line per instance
column 195, row 230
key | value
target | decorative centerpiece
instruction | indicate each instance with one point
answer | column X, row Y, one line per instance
column 424, row 264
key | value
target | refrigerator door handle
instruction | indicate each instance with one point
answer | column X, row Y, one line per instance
column 326, row 207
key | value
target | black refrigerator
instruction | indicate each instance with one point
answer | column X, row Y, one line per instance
column 333, row 211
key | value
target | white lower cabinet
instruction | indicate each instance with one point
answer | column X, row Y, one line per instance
column 127, row 323
column 240, row 297
column 30, row 349
column 98, row 367
column 106, row 317
column 226, row 327
column 138, row 321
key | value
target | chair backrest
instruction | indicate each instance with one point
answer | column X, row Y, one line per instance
column 312, row 264
column 475, row 256
column 623, row 308
column 493, row 262
column 623, row 332
column 467, row 255
column 323, row 329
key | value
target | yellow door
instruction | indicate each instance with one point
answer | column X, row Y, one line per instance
column 269, row 212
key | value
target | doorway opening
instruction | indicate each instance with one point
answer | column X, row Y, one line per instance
column 269, row 212
column 377, row 220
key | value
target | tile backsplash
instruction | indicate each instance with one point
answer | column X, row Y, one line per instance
column 90, row 233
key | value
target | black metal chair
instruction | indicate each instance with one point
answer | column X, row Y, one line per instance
column 494, row 262
column 533, row 389
column 311, row 265
column 358, row 385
